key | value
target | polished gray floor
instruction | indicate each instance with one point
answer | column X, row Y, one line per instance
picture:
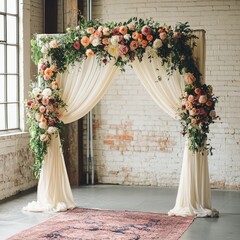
column 150, row 199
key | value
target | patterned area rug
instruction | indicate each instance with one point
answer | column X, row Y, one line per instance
column 90, row 224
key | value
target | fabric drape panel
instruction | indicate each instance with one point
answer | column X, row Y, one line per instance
column 83, row 85
column 194, row 195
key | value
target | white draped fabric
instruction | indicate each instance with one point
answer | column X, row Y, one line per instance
column 83, row 85
column 194, row 194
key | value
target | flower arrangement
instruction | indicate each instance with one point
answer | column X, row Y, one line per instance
column 123, row 42
column 197, row 112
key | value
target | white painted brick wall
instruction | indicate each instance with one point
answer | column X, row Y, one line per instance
column 134, row 141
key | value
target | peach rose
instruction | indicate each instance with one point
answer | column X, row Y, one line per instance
column 106, row 31
column 48, row 72
column 54, row 68
column 90, row 30
column 202, row 99
column 123, row 30
column 189, row 78
column 144, row 43
column 89, row 52
column 105, row 40
column 188, row 105
column 149, row 37
column 85, row 41
column 190, row 98
column 134, row 45
column 54, row 85
column 135, row 35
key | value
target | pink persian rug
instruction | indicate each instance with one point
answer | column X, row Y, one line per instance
column 90, row 224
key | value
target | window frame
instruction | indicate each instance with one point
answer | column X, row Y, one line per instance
column 4, row 42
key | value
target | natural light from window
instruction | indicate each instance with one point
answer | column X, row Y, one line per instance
column 9, row 65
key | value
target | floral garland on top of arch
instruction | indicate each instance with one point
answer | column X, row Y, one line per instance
column 124, row 42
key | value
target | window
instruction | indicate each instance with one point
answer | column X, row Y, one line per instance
column 9, row 65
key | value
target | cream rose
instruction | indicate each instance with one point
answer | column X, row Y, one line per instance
column 52, row 130
column 47, row 92
column 44, row 137
column 157, row 43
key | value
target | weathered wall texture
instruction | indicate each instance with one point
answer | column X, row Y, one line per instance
column 15, row 158
column 137, row 143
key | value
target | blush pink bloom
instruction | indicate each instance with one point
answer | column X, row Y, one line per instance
column 189, row 78
column 100, row 28
column 202, row 99
column 106, row 31
column 90, row 30
column 123, row 49
column 53, row 44
column 190, row 98
column 98, row 34
column 131, row 26
column 134, row 45
column 194, row 121
column 146, row 30
column 163, row 36
column 89, row 52
column 76, row 45
column 197, row 90
column 42, row 109
column 45, row 100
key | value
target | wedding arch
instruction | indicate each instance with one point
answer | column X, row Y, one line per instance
column 77, row 68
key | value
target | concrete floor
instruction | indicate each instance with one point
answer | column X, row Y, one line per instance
column 150, row 199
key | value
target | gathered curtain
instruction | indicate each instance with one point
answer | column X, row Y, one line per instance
column 83, row 85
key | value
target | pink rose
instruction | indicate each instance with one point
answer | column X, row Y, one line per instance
column 76, row 45
column 194, row 121
column 190, row 98
column 202, row 99
column 98, row 34
column 146, row 30
column 123, row 49
column 116, row 31
column 42, row 109
column 45, row 100
column 53, row 44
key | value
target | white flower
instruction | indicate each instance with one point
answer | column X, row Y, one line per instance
column 157, row 43
column 150, row 51
column 44, row 49
column 77, row 28
column 43, row 125
column 113, row 50
column 38, row 116
column 47, row 92
column 44, row 137
column 53, row 44
column 127, row 36
column 36, row 91
column 114, row 40
column 52, row 130
column 41, row 61
column 95, row 42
